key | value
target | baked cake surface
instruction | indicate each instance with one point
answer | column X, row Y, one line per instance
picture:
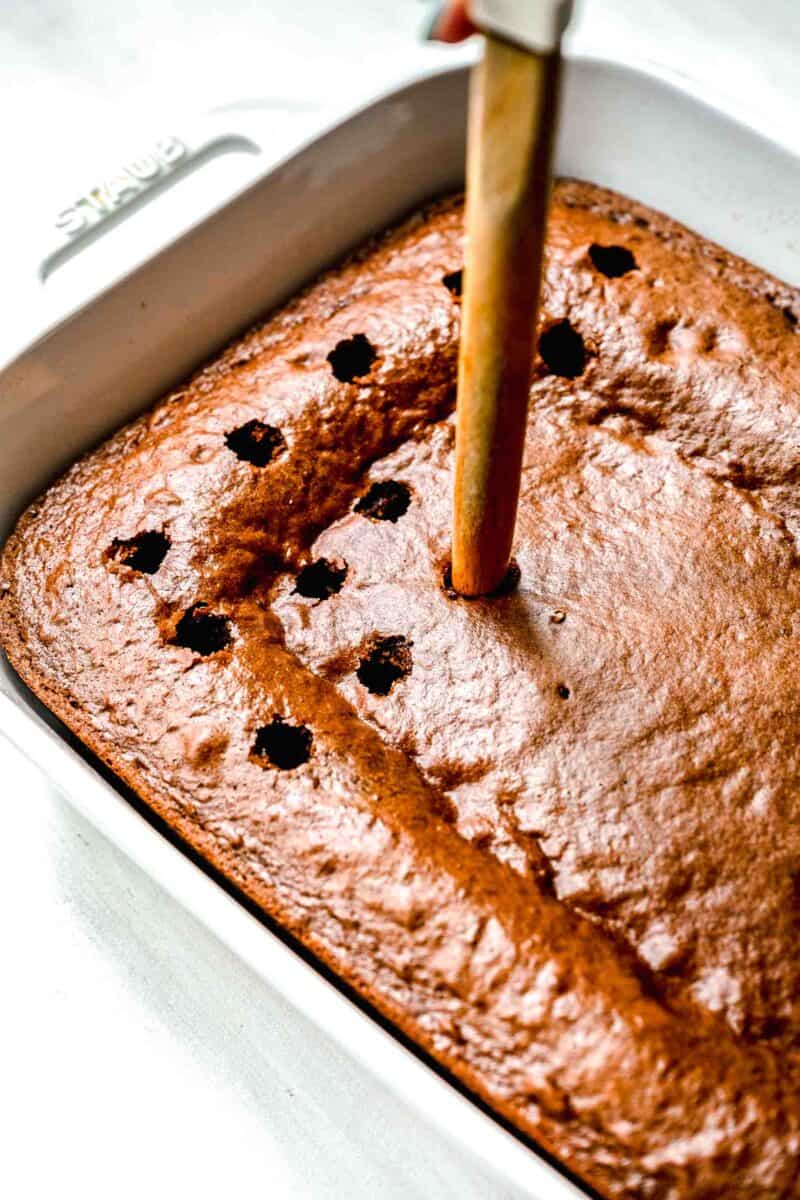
column 553, row 835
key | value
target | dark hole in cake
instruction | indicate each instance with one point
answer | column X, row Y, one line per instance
column 321, row 579
column 203, row 631
column 144, row 552
column 511, row 581
column 387, row 660
column 562, row 350
column 790, row 316
column 509, row 584
column 563, row 691
column 282, row 744
column 447, row 583
column 352, row 358
column 771, row 1027
column 454, row 282
column 612, row 261
column 386, row 500
column 255, row 442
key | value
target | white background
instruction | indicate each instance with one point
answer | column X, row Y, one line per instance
column 137, row 1056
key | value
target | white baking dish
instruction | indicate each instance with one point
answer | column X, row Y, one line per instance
column 105, row 356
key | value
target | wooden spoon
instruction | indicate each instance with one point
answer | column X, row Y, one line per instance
column 512, row 119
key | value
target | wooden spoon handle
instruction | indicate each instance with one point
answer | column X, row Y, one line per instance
column 513, row 99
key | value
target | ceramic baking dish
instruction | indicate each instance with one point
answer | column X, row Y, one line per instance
column 106, row 355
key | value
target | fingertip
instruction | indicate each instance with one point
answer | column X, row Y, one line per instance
column 450, row 24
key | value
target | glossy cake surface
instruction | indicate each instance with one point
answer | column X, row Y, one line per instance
column 554, row 836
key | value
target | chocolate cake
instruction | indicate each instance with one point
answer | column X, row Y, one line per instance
column 552, row 835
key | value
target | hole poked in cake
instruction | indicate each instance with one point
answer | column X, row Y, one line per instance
column 255, row 442
column 352, row 358
column 509, row 584
column 321, row 579
column 563, row 692
column 612, row 261
column 203, row 631
column 387, row 500
column 454, row 282
column 562, row 350
column 144, row 552
column 386, row 660
column 282, row 744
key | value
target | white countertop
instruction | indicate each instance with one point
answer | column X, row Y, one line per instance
column 139, row 1057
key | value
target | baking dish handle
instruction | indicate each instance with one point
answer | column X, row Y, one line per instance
column 264, row 134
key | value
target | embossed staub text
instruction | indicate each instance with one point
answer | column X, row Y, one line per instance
column 133, row 178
